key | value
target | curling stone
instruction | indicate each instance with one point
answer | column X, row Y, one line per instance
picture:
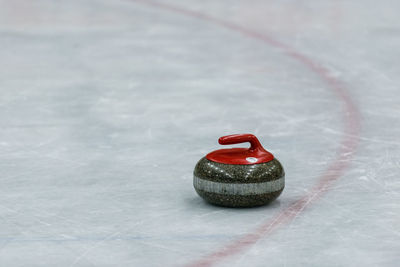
column 239, row 177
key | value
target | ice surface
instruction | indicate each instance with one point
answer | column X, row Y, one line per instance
column 106, row 106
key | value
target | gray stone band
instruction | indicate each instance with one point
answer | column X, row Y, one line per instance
column 238, row 189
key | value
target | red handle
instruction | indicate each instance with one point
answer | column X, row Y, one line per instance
column 241, row 138
column 255, row 154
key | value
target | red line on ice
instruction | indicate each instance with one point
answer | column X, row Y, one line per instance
column 335, row 170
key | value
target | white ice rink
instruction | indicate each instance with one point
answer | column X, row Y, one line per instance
column 106, row 106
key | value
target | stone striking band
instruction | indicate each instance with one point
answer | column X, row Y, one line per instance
column 242, row 189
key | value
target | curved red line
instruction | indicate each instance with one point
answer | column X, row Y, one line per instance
column 336, row 169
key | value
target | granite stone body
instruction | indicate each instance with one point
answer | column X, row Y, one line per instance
column 233, row 185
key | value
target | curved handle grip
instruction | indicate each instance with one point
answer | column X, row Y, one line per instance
column 241, row 138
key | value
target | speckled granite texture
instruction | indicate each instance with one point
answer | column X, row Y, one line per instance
column 238, row 201
column 238, row 174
